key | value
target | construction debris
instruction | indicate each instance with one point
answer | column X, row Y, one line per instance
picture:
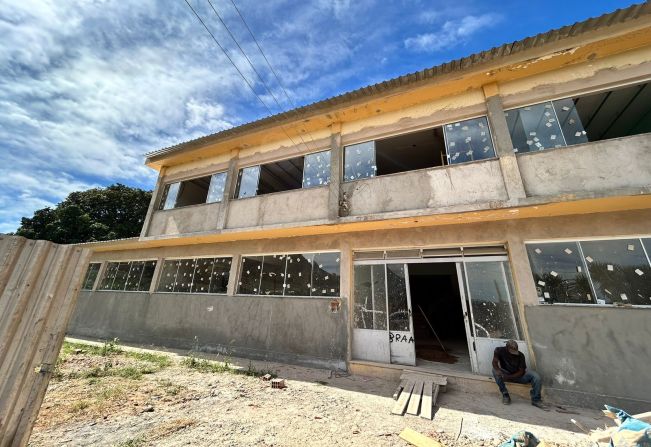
column 417, row 394
column 266, row 377
column 278, row 383
column 629, row 431
column 418, row 439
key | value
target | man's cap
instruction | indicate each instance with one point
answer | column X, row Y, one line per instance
column 512, row 346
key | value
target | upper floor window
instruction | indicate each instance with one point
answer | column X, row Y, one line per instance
column 459, row 142
column 284, row 175
column 194, row 191
column 615, row 271
column 91, row 276
column 302, row 274
column 130, row 276
column 581, row 119
column 195, row 275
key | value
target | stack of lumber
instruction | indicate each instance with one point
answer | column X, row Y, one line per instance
column 417, row 392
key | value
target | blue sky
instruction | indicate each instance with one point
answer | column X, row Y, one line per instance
column 87, row 87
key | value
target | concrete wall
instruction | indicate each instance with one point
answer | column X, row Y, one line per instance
column 190, row 219
column 599, row 166
column 299, row 205
column 587, row 351
column 477, row 182
column 292, row 330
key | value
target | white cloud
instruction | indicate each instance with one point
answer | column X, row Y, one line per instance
column 452, row 33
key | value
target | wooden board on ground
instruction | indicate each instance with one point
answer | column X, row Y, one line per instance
column 442, row 381
column 418, row 439
column 426, row 404
column 396, row 393
column 401, row 404
column 414, row 400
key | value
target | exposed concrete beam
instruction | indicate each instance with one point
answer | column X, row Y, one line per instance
column 229, row 189
column 336, row 163
column 155, row 197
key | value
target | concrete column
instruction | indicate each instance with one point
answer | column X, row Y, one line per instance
column 336, row 161
column 100, row 273
column 503, row 143
column 234, row 275
column 229, row 189
column 155, row 197
column 156, row 276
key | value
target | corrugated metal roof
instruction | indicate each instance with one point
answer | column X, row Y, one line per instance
column 616, row 17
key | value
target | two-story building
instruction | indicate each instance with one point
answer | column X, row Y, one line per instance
column 421, row 221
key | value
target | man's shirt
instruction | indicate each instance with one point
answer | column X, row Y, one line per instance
column 510, row 363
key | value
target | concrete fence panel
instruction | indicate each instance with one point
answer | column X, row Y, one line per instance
column 39, row 283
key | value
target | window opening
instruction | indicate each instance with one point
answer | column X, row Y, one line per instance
column 468, row 140
column 316, row 169
column 129, row 276
column 195, row 275
column 91, row 275
column 208, row 189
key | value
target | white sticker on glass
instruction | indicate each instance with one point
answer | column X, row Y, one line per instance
column 542, row 283
column 639, row 272
column 553, row 273
column 568, row 251
column 610, row 267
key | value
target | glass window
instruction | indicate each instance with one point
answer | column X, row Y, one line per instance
column 370, row 310
column 325, row 274
column 397, row 297
column 133, row 278
column 168, row 275
column 147, row 276
column 250, row 275
column 559, row 273
column 91, row 276
column 220, row 274
column 121, row 274
column 217, row 185
column 359, row 161
column 570, row 121
column 492, row 310
column 184, row 275
column 109, row 276
column 316, row 170
column 202, row 275
column 619, row 270
column 247, row 182
column 273, row 275
column 168, row 199
column 534, row 128
column 468, row 140
column 299, row 274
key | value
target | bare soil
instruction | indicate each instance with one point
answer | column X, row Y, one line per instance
column 169, row 403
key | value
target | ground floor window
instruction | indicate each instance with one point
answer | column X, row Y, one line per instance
column 299, row 274
column 91, row 276
column 195, row 275
column 614, row 271
column 129, row 276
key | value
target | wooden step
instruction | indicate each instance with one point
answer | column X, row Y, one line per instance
column 416, row 394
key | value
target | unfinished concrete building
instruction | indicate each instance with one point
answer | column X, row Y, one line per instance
column 420, row 221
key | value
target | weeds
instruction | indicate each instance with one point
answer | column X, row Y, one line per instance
column 132, row 442
column 208, row 366
column 78, row 406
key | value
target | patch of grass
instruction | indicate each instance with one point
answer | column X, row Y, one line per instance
column 161, row 361
column 78, row 406
column 132, row 442
column 208, row 366
column 170, row 388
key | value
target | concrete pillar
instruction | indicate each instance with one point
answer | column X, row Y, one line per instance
column 155, row 278
column 503, row 143
column 234, row 275
column 229, row 189
column 155, row 197
column 336, row 161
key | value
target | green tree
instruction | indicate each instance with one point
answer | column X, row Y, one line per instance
column 98, row 214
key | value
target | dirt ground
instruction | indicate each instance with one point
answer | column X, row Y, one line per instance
column 114, row 395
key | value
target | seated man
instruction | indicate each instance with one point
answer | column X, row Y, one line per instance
column 509, row 365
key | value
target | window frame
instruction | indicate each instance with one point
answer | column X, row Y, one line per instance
column 95, row 282
column 578, row 240
column 166, row 186
column 194, row 258
column 428, row 126
column 289, row 253
column 236, row 190
column 105, row 268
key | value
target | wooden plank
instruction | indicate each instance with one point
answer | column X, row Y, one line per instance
column 401, row 404
column 396, row 393
column 414, row 400
column 418, row 439
column 435, row 394
column 426, row 403
column 435, row 378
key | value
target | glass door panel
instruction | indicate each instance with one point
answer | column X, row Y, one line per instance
column 401, row 334
column 370, row 333
column 491, row 307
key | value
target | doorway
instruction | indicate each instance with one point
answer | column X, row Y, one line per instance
column 438, row 316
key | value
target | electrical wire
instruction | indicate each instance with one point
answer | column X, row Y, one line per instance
column 250, row 63
column 236, row 67
column 282, row 87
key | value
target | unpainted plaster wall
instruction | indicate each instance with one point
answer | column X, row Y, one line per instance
column 598, row 166
column 292, row 330
column 594, row 350
column 185, row 220
column 477, row 182
column 299, row 205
